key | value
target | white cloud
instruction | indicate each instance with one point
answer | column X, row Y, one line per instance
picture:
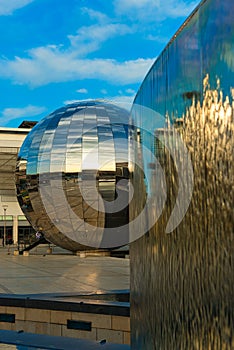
column 95, row 15
column 130, row 91
column 104, row 91
column 122, row 101
column 14, row 113
column 51, row 64
column 154, row 10
column 7, row 7
column 158, row 37
column 89, row 38
column 121, row 5
column 82, row 91
column 181, row 8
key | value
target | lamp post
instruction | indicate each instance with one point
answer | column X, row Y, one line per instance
column 5, row 206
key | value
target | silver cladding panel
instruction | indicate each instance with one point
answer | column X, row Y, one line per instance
column 182, row 282
column 71, row 133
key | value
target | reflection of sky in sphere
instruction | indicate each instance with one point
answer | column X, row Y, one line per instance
column 69, row 169
column 88, row 137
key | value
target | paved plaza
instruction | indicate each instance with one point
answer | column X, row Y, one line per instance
column 60, row 272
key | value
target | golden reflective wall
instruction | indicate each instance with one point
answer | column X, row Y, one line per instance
column 182, row 281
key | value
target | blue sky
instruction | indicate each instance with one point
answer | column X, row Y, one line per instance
column 54, row 52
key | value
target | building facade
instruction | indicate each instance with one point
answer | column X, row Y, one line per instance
column 12, row 220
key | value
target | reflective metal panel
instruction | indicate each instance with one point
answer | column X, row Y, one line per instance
column 182, row 281
column 71, row 157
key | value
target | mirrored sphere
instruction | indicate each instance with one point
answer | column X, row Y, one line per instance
column 68, row 173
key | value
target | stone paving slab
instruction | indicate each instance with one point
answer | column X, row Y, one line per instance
column 60, row 273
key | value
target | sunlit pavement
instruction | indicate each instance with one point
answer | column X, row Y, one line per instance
column 60, row 272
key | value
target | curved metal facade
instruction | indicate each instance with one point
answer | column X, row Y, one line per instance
column 68, row 168
column 182, row 282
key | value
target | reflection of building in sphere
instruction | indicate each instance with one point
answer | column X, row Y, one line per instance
column 68, row 167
